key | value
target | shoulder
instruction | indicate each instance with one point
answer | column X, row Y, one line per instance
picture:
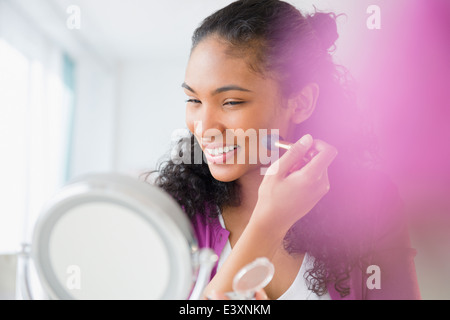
column 203, row 217
column 206, row 227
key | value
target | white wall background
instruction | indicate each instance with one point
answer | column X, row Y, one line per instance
column 151, row 107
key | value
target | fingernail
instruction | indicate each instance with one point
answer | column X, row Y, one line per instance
column 306, row 140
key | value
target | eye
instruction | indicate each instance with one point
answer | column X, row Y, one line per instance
column 233, row 103
column 193, row 101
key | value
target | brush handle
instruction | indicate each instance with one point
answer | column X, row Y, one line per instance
column 308, row 156
column 283, row 144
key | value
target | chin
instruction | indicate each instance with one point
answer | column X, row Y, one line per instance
column 225, row 173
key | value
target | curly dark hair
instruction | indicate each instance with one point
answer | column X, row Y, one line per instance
column 297, row 48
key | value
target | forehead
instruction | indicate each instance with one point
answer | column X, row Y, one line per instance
column 211, row 65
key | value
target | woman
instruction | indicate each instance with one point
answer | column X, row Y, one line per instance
column 262, row 65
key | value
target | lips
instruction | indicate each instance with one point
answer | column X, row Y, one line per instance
column 219, row 152
column 215, row 145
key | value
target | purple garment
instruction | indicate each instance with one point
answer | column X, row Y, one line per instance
column 392, row 254
column 210, row 234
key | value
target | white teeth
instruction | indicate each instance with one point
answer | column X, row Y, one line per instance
column 221, row 150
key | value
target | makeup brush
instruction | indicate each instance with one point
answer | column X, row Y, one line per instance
column 274, row 141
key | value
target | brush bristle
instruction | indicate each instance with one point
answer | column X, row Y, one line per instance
column 270, row 140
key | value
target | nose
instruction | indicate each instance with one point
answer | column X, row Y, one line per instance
column 208, row 125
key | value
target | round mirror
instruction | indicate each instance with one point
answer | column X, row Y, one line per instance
column 113, row 237
column 252, row 278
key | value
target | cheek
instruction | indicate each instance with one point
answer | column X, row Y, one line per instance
column 190, row 120
column 265, row 118
column 279, row 118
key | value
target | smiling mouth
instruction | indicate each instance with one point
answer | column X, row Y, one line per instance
column 221, row 150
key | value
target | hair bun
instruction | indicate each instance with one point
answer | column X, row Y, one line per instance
column 324, row 24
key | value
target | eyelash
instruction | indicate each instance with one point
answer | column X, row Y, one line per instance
column 193, row 101
column 232, row 103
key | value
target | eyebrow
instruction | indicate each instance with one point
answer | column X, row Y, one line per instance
column 230, row 87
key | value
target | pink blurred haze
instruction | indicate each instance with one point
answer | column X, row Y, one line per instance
column 406, row 86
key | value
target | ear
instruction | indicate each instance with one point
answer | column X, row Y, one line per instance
column 304, row 103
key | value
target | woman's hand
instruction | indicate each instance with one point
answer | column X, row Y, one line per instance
column 286, row 194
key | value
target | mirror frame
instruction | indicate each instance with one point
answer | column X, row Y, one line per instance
column 164, row 215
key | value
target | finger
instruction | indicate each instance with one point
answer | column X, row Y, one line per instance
column 308, row 156
column 325, row 182
column 261, row 295
column 214, row 295
column 292, row 157
column 322, row 159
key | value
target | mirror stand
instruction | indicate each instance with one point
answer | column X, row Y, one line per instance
column 205, row 260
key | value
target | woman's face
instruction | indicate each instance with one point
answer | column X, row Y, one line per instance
column 228, row 105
